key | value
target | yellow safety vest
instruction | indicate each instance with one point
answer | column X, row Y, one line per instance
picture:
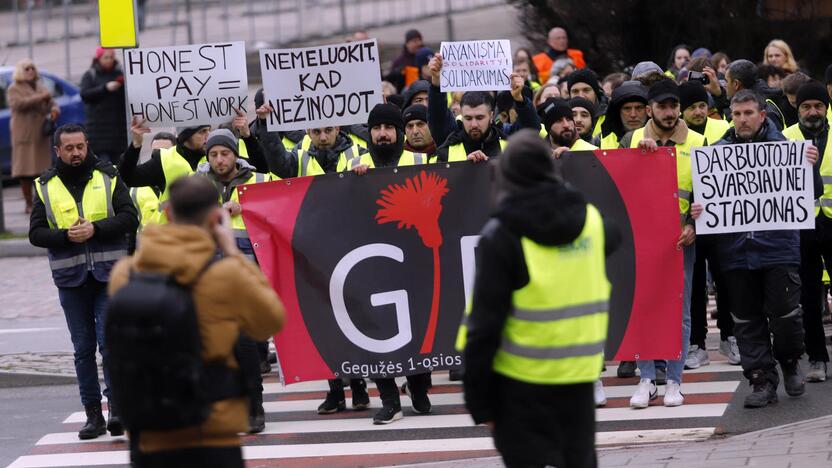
column 237, row 223
column 610, row 141
column 308, row 165
column 406, row 159
column 147, row 204
column 597, row 129
column 684, row 178
column 824, row 203
column 581, row 145
column 715, row 129
column 457, row 152
column 829, row 115
column 557, row 328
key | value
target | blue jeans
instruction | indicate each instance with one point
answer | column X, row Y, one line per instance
column 85, row 308
column 675, row 368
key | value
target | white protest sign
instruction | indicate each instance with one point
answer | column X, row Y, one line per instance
column 753, row 187
column 187, row 85
column 476, row 66
column 321, row 86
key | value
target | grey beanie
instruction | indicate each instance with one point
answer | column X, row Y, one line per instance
column 643, row 68
column 222, row 137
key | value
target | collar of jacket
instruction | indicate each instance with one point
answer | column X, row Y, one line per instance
column 679, row 135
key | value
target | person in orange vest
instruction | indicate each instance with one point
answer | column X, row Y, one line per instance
column 558, row 47
column 403, row 70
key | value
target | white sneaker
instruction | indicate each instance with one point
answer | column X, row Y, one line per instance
column 729, row 349
column 697, row 357
column 600, row 396
column 673, row 394
column 645, row 393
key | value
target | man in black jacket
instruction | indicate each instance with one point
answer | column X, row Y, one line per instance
column 535, row 424
column 761, row 269
column 82, row 215
column 742, row 74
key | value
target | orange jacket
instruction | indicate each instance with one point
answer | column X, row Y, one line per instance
column 543, row 62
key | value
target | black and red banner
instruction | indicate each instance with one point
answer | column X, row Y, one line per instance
column 375, row 270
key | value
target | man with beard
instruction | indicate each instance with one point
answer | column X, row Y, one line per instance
column 585, row 84
column 418, row 138
column 477, row 135
column 583, row 114
column 665, row 128
column 557, row 117
column 693, row 100
column 815, row 245
column 387, row 150
column 626, row 112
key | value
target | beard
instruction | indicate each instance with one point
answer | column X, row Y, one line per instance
column 813, row 122
column 565, row 138
column 667, row 124
column 386, row 151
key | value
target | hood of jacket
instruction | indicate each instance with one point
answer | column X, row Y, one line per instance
column 627, row 92
column 550, row 214
column 176, row 249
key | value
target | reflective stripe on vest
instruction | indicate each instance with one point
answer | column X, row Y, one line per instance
column 824, row 203
column 556, row 330
column 307, row 164
column 684, row 177
column 407, row 158
column 457, row 152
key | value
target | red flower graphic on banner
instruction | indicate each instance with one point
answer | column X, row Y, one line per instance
column 418, row 204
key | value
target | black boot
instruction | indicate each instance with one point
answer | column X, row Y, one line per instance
column 360, row 398
column 257, row 419
column 114, row 420
column 95, row 425
column 793, row 378
column 764, row 393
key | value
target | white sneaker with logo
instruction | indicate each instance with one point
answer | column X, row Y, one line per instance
column 645, row 393
column 729, row 349
column 697, row 357
column 673, row 394
column 600, row 396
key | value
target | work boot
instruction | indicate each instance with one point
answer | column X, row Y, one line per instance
column 360, row 398
column 817, row 371
column 793, row 378
column 95, row 425
column 114, row 420
column 257, row 420
column 419, row 400
column 626, row 369
column 764, row 391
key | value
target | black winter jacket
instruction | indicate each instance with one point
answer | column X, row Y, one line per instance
column 106, row 118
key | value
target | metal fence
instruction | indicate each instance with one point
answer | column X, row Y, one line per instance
column 29, row 25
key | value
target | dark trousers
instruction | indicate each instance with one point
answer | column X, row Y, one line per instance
column 336, row 387
column 199, row 457
column 707, row 258
column 389, row 391
column 814, row 251
column 766, row 302
column 85, row 309
column 249, row 359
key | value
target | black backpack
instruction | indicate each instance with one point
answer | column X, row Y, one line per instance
column 157, row 376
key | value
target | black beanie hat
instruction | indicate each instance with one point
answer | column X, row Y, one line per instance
column 828, row 74
column 663, row 90
column 504, row 101
column 259, row 98
column 691, row 92
column 386, row 114
column 554, row 109
column 585, row 103
column 585, row 75
column 415, row 112
column 812, row 90
column 183, row 133
column 525, row 163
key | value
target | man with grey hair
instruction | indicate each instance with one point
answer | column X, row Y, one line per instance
column 558, row 47
column 742, row 74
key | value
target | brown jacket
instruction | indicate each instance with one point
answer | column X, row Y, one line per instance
column 230, row 297
column 31, row 150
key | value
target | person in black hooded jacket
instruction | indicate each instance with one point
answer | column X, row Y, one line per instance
column 102, row 90
column 532, row 424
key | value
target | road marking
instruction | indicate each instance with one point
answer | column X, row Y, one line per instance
column 10, row 331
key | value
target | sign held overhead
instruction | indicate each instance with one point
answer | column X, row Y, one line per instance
column 476, row 66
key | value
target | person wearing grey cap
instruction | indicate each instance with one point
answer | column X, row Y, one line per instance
column 167, row 165
column 539, row 414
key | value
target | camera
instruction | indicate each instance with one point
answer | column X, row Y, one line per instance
column 699, row 76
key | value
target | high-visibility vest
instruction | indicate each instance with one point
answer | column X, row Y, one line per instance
column 597, row 129
column 829, row 115
column 457, row 152
column 715, row 129
column 581, row 145
column 237, row 224
column 824, row 203
column 70, row 265
column 556, row 330
column 174, row 166
column 406, row 159
column 610, row 141
column 308, row 165
column 684, row 178
column 147, row 204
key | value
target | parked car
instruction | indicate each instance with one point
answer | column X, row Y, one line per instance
column 65, row 94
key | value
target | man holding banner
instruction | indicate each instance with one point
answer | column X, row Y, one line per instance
column 560, row 125
column 761, row 267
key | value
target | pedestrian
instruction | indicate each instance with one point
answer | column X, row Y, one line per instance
column 742, row 74
column 102, row 90
column 584, row 84
column 33, row 115
column 762, row 270
column 82, row 215
column 557, row 42
column 403, row 70
column 230, row 296
column 536, row 394
column 779, row 54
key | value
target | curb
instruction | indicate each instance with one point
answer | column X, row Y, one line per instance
column 23, row 379
column 19, row 248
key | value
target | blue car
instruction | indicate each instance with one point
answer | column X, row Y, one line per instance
column 66, row 95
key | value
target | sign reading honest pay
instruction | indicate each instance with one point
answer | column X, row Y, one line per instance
column 323, row 86
column 476, row 66
column 753, row 187
column 187, row 85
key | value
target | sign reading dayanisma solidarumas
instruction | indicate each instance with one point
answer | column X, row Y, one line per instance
column 476, row 66
column 321, row 86
column 753, row 187
column 187, row 85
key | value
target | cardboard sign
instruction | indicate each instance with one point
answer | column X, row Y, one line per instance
column 476, row 66
column 321, row 86
column 187, row 85
column 753, row 187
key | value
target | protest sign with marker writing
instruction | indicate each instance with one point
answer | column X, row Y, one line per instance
column 321, row 86
column 753, row 187
column 187, row 85
column 476, row 66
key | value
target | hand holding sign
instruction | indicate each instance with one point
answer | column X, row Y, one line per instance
column 240, row 123
column 517, row 85
column 138, row 129
column 435, row 67
column 812, row 154
column 264, row 111
column 648, row 144
column 476, row 66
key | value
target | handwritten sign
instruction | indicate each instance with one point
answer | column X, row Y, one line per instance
column 476, row 66
column 187, row 85
column 753, row 187
column 322, row 86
